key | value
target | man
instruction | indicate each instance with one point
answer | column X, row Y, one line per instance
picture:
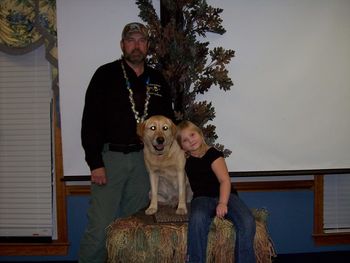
column 120, row 95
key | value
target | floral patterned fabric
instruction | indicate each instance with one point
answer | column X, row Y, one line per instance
column 24, row 26
column 27, row 24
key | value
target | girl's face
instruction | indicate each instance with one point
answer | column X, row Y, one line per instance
column 191, row 140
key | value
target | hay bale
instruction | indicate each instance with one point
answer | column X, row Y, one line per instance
column 222, row 237
column 131, row 240
column 136, row 240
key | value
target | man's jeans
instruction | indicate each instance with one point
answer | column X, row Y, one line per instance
column 203, row 210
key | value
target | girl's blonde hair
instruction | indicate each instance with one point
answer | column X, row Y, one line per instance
column 190, row 125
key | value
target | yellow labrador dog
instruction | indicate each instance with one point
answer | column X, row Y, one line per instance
column 165, row 162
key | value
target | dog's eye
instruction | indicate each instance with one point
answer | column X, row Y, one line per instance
column 153, row 128
column 165, row 128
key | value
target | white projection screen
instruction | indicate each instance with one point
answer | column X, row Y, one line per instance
column 289, row 108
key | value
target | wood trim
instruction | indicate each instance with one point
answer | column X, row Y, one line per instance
column 332, row 239
column 34, row 249
column 318, row 205
column 62, row 228
column 78, row 190
column 274, row 185
column 75, row 190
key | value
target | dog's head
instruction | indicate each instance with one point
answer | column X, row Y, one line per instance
column 157, row 133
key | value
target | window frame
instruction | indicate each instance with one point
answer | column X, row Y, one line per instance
column 60, row 245
column 320, row 237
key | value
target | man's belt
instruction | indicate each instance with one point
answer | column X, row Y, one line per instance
column 125, row 148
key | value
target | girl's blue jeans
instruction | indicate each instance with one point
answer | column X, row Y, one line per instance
column 202, row 213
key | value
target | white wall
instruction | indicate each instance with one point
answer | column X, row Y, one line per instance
column 88, row 36
column 289, row 106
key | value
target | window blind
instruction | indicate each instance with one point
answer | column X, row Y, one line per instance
column 336, row 203
column 25, row 145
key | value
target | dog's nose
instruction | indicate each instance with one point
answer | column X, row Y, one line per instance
column 160, row 140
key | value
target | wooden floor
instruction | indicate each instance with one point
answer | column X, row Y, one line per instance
column 322, row 257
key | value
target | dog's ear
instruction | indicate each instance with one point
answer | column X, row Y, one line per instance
column 173, row 127
column 140, row 128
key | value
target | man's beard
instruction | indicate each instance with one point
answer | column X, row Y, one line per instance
column 135, row 57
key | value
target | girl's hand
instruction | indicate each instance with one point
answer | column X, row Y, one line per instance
column 221, row 210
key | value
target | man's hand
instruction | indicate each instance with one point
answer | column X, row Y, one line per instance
column 98, row 176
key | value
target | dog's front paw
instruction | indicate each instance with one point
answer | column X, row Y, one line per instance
column 151, row 211
column 181, row 211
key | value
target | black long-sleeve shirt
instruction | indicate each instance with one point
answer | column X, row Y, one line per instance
column 108, row 116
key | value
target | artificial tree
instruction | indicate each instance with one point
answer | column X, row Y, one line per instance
column 187, row 63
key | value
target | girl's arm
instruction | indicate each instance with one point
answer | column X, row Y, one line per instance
column 220, row 169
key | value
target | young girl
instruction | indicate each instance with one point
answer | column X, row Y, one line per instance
column 212, row 196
